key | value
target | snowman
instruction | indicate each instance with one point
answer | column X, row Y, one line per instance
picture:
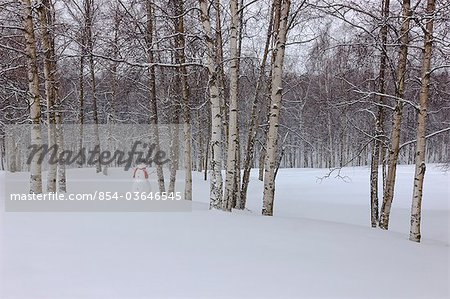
column 141, row 181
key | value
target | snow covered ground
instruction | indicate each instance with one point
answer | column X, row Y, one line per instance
column 319, row 244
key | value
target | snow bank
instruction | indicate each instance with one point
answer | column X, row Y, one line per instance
column 318, row 245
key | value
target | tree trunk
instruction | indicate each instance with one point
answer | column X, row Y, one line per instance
column 216, row 116
column 57, row 172
column 2, row 153
column 205, row 175
column 81, row 96
column 254, row 121
column 201, row 151
column 34, row 97
column 89, row 15
column 152, row 90
column 379, row 126
column 396, row 126
column 275, row 105
column 237, row 178
column 201, row 162
column 45, row 18
column 233, row 140
column 220, row 70
column 174, row 149
column 181, row 59
column 111, row 114
column 11, row 161
column 416, row 207
column 61, row 176
column 262, row 158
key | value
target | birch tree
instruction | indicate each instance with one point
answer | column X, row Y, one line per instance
column 61, row 175
column 56, row 179
column 33, row 96
column 181, row 59
column 233, row 140
column 174, row 149
column 397, row 120
column 216, row 182
column 45, row 17
column 219, row 59
column 282, row 8
column 82, row 49
column 416, row 207
column 379, row 126
column 152, row 87
column 254, row 123
column 89, row 19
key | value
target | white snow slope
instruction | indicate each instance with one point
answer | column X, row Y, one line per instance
column 319, row 244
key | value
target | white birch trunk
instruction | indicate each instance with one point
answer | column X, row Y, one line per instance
column 216, row 183
column 81, row 96
column 152, row 90
column 49, row 76
column 230, row 189
column 254, row 122
column 379, row 125
column 61, row 177
column 416, row 207
column 34, row 97
column 396, row 126
column 275, row 105
column 219, row 60
column 181, row 59
column 89, row 15
column 174, row 152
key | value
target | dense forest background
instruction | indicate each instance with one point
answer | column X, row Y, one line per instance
column 330, row 78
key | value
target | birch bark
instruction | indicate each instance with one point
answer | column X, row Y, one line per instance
column 44, row 12
column 396, row 126
column 181, row 59
column 379, row 126
column 230, row 189
column 254, row 121
column 81, row 94
column 89, row 16
column 275, row 105
column 152, row 91
column 416, row 207
column 216, row 182
column 34, row 100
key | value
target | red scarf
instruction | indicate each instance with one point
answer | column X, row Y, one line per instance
column 143, row 169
